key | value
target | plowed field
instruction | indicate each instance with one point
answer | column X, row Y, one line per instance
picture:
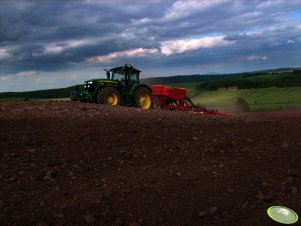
column 87, row 164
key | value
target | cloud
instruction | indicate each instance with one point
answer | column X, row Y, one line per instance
column 60, row 47
column 4, row 54
column 255, row 57
column 53, row 49
column 290, row 41
column 143, row 21
column 184, row 8
column 5, row 78
column 22, row 74
column 166, row 48
column 184, row 45
column 26, row 73
column 138, row 52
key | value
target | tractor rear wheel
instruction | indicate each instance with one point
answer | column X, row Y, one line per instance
column 143, row 98
column 110, row 96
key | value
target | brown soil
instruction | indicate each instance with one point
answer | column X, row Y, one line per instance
column 79, row 164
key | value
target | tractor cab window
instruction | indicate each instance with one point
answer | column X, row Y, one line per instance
column 118, row 75
column 133, row 75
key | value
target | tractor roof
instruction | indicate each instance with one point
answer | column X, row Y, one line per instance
column 97, row 80
column 127, row 66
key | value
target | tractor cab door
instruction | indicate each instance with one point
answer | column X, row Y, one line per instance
column 132, row 78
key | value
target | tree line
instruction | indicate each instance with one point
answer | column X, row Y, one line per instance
column 288, row 79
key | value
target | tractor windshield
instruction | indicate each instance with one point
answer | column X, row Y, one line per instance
column 118, row 75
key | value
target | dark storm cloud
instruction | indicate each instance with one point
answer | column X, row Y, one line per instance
column 71, row 35
column 30, row 29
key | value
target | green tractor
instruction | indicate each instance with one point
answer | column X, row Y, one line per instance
column 122, row 87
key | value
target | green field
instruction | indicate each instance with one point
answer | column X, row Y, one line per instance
column 256, row 91
column 259, row 99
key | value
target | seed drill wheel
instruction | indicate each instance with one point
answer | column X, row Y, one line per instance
column 143, row 98
column 109, row 95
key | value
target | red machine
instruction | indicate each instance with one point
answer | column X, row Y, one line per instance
column 171, row 98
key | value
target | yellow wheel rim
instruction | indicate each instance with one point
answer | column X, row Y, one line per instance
column 112, row 99
column 145, row 101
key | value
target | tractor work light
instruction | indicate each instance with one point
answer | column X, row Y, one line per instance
column 282, row 215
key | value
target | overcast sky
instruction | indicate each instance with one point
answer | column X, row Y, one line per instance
column 50, row 44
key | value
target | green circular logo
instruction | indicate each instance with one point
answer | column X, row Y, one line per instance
column 282, row 214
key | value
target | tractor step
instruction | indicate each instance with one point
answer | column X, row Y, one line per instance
column 127, row 99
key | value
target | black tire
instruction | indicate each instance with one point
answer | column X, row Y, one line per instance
column 110, row 96
column 143, row 98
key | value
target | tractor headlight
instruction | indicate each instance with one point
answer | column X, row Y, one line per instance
column 88, row 86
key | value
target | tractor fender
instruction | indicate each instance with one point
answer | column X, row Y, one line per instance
column 99, row 88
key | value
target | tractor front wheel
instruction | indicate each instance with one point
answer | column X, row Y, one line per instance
column 110, row 96
column 143, row 98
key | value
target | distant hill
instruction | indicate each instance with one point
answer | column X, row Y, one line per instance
column 207, row 77
column 255, row 80
column 278, row 70
column 286, row 77
column 49, row 93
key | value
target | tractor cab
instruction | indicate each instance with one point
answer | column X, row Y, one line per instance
column 127, row 75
